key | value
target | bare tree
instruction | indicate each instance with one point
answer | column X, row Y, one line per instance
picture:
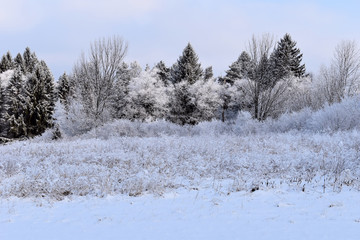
column 95, row 76
column 260, row 46
column 261, row 85
column 342, row 78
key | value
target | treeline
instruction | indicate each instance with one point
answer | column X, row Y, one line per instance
column 27, row 96
column 103, row 87
column 267, row 80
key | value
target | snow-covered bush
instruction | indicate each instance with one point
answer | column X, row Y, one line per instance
column 148, row 98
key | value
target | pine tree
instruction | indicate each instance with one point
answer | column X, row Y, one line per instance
column 263, row 75
column 30, row 61
column 16, row 106
column 163, row 72
column 41, row 100
column 187, row 67
column 208, row 73
column 63, row 90
column 182, row 106
column 184, row 73
column 49, row 88
column 286, row 59
column 241, row 68
column 19, row 62
column 6, row 62
column 2, row 109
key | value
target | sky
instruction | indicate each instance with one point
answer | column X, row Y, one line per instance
column 59, row 31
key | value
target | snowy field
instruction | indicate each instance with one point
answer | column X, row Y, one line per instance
column 186, row 214
column 274, row 180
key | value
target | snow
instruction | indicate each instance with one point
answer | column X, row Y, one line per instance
column 292, row 178
column 5, row 77
column 186, row 214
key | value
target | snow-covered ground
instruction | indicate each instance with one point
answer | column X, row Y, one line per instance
column 294, row 178
column 186, row 214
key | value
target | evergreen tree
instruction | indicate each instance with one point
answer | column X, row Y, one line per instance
column 163, row 72
column 187, row 67
column 262, row 74
column 16, row 106
column 30, row 61
column 19, row 62
column 49, row 88
column 63, row 90
column 2, row 109
column 184, row 73
column 6, row 62
column 246, row 65
column 241, row 68
column 182, row 106
column 41, row 100
column 208, row 73
column 147, row 68
column 286, row 59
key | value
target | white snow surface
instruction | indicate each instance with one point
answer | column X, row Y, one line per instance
column 186, row 214
column 292, row 178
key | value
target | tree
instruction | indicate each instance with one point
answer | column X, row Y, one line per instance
column 19, row 62
column 2, row 109
column 184, row 73
column 147, row 98
column 40, row 100
column 6, row 62
column 30, row 60
column 163, row 72
column 187, row 67
column 286, row 59
column 16, row 106
column 96, row 76
column 182, row 105
column 63, row 90
column 342, row 77
column 206, row 95
column 208, row 73
column 241, row 68
column 121, row 88
column 265, row 93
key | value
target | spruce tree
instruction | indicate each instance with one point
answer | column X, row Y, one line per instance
column 163, row 72
column 182, row 106
column 286, row 59
column 6, row 62
column 19, row 62
column 184, row 73
column 41, row 100
column 16, row 106
column 187, row 67
column 208, row 73
column 63, row 90
column 30, row 60
column 2, row 109
column 241, row 68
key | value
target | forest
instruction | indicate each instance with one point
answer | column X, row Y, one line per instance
column 267, row 80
